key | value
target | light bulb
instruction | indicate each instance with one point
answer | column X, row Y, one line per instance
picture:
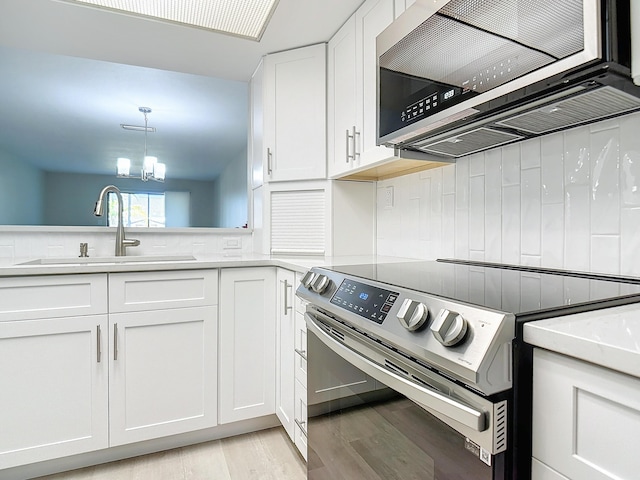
column 123, row 166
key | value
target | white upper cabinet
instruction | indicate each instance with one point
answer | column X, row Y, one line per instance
column 294, row 115
column 352, row 90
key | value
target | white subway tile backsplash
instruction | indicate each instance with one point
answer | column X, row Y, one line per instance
column 511, row 165
column 461, row 246
column 462, row 185
column 493, row 237
column 511, row 224
column 449, row 179
column 551, row 147
column 476, row 213
column 476, row 165
column 22, row 244
column 567, row 200
column 577, row 232
column 448, row 226
column 530, row 153
column 605, row 191
column 630, row 161
column 630, row 241
column 493, row 181
column 552, row 235
column 605, row 253
column 577, row 148
column 531, row 212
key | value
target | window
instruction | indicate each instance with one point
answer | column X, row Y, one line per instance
column 138, row 210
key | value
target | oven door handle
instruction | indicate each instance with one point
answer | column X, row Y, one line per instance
column 430, row 399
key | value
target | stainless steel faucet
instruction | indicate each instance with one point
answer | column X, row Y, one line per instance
column 121, row 242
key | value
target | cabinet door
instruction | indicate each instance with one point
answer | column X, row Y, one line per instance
column 247, row 343
column 371, row 19
column 285, row 350
column 295, row 114
column 586, row 419
column 54, row 380
column 162, row 373
column 342, row 91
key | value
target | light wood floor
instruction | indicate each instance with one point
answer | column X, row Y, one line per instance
column 264, row 455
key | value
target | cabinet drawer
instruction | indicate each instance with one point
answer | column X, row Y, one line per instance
column 55, row 296
column 132, row 292
column 300, row 345
column 300, row 417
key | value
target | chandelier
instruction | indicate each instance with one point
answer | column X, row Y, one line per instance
column 151, row 168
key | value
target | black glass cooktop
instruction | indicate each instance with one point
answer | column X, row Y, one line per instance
column 522, row 291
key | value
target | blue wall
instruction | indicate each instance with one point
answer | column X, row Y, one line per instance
column 21, row 192
column 230, row 194
column 70, row 198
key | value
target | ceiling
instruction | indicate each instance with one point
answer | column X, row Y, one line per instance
column 73, row 74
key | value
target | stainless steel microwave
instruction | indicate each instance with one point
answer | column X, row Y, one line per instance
column 457, row 77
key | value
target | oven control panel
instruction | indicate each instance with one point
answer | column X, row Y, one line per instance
column 370, row 302
column 467, row 342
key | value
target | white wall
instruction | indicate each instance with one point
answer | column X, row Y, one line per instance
column 19, row 244
column 567, row 200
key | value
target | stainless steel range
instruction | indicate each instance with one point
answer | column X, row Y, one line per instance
column 418, row 369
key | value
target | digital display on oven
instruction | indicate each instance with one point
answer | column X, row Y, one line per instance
column 370, row 302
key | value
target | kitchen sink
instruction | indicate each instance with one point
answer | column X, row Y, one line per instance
column 109, row 260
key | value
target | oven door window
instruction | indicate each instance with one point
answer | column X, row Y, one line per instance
column 360, row 429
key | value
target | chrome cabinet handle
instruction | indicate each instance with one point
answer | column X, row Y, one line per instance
column 287, row 307
column 441, row 403
column 301, row 426
column 356, row 152
column 349, row 136
column 115, row 341
column 302, row 353
column 99, row 341
column 269, row 156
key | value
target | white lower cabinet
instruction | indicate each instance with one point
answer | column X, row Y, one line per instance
column 162, row 378
column 162, row 353
column 54, row 381
column 53, row 367
column 586, row 420
column 246, row 373
column 89, row 362
column 285, row 324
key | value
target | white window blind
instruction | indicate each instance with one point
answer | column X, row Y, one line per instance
column 298, row 222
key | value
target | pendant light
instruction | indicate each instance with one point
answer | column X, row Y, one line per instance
column 151, row 168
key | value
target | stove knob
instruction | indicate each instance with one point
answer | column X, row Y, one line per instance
column 412, row 314
column 320, row 283
column 307, row 279
column 449, row 328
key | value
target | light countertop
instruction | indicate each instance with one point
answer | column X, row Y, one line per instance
column 299, row 264
column 610, row 338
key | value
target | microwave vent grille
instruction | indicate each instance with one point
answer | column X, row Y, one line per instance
column 468, row 142
column 586, row 107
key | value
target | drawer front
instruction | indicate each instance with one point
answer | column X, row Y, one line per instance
column 139, row 291
column 300, row 417
column 300, row 345
column 54, row 296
